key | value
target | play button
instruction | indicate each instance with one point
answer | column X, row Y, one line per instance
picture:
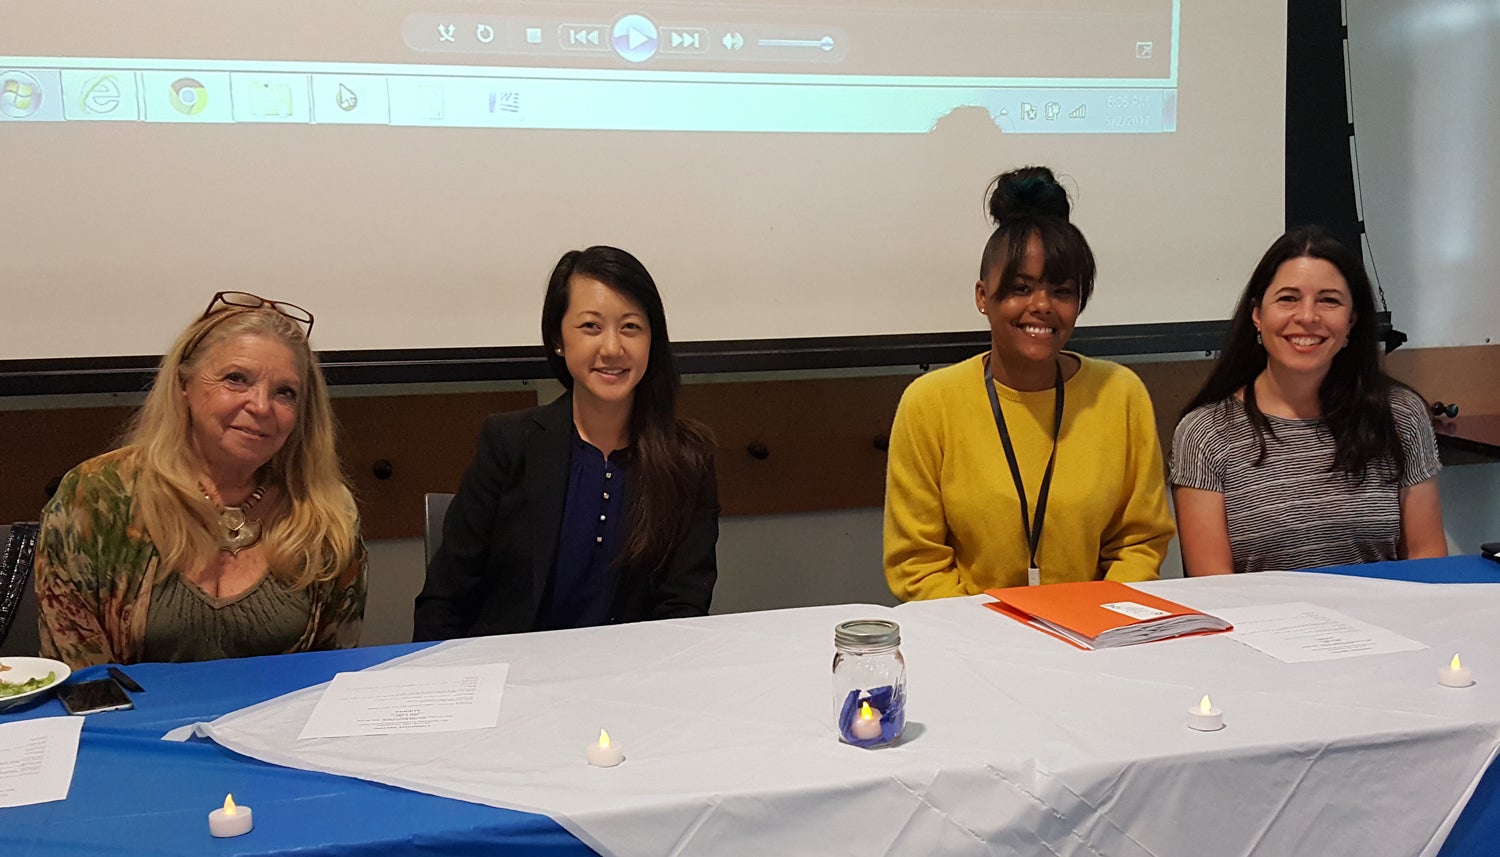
column 634, row 38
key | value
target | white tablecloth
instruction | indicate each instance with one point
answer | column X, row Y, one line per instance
column 1016, row 743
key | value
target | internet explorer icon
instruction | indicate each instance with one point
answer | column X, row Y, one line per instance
column 101, row 96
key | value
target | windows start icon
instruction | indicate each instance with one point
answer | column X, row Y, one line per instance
column 20, row 95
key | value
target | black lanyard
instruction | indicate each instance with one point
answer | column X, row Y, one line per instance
column 1033, row 529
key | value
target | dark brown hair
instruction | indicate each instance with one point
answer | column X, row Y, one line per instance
column 668, row 456
column 1355, row 394
column 1029, row 201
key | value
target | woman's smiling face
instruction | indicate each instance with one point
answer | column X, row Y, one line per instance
column 1305, row 316
column 606, row 341
column 1030, row 319
column 242, row 401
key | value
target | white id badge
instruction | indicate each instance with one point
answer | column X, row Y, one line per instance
column 1033, row 576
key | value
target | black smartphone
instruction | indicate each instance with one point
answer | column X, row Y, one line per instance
column 88, row 697
column 1490, row 550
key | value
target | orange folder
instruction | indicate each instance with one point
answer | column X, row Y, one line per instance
column 1100, row 614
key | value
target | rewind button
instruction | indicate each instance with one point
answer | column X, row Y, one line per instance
column 582, row 37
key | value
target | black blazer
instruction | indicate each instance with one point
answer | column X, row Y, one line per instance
column 500, row 538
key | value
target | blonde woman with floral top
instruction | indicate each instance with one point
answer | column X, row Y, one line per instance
column 223, row 526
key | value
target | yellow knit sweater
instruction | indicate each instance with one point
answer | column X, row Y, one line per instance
column 952, row 518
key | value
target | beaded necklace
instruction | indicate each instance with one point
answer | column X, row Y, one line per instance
column 236, row 532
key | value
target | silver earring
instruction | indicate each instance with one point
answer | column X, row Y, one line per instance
column 559, row 351
column 1257, row 340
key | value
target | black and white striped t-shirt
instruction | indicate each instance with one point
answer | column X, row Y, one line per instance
column 1293, row 511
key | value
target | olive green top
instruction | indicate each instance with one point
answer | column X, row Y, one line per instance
column 187, row 624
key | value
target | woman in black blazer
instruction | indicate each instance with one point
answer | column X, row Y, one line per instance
column 601, row 507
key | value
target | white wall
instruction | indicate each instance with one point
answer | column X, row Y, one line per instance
column 1424, row 78
column 1471, row 506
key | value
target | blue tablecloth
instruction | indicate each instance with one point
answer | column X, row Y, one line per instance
column 1449, row 569
column 134, row 794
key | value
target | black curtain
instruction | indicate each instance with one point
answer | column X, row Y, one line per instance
column 1319, row 174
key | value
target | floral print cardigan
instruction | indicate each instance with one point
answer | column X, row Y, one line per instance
column 96, row 566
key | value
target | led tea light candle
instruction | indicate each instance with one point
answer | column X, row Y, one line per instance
column 605, row 754
column 231, row 820
column 1204, row 717
column 1455, row 674
column 866, row 727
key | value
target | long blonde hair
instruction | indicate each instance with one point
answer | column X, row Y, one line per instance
column 313, row 542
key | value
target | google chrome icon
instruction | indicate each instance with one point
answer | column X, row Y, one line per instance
column 189, row 96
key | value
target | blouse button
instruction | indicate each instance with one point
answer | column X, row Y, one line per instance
column 598, row 539
column 601, row 517
column 609, row 476
column 606, row 495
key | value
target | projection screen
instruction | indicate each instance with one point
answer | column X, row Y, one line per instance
column 410, row 170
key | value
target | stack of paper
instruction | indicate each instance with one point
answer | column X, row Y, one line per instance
column 1100, row 614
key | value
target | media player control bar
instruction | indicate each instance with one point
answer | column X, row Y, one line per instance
column 633, row 38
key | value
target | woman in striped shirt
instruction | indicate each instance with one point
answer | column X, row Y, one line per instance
column 1300, row 451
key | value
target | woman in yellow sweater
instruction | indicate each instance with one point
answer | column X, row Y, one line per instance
column 1025, row 464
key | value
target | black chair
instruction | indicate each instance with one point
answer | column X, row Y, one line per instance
column 17, row 597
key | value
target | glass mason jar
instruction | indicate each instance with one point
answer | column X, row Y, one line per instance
column 869, row 682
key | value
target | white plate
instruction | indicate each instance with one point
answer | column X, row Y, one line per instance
column 25, row 669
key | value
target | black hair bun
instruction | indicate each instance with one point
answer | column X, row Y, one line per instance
column 1027, row 192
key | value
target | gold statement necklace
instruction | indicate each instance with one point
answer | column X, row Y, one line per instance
column 236, row 532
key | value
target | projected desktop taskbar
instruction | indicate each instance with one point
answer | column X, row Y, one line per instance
column 662, row 102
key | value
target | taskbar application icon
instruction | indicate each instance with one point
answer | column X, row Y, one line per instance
column 21, row 95
column 269, row 97
column 100, row 95
column 349, row 99
column 194, row 96
column 30, row 95
column 188, row 96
